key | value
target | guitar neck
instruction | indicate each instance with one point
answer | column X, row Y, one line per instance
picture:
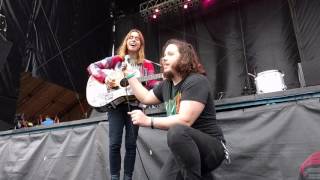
column 150, row 77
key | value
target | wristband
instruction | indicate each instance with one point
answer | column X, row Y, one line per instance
column 151, row 125
column 130, row 75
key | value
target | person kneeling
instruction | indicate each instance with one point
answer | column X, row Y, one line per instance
column 194, row 138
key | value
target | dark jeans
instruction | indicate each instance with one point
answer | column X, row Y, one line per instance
column 194, row 154
column 118, row 118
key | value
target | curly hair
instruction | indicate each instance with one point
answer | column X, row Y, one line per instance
column 123, row 49
column 189, row 61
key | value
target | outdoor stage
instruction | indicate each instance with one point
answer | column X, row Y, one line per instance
column 53, row 42
column 268, row 135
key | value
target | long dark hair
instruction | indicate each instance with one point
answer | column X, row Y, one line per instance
column 189, row 61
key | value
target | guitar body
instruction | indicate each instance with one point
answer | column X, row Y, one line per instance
column 103, row 99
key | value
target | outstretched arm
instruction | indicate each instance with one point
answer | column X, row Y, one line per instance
column 189, row 113
column 144, row 95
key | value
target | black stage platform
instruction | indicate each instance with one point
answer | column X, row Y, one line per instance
column 222, row 105
column 268, row 98
column 268, row 135
column 230, row 104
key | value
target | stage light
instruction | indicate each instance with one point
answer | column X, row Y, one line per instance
column 207, row 3
column 153, row 8
column 185, row 6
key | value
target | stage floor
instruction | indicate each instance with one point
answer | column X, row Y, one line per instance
column 229, row 104
column 268, row 98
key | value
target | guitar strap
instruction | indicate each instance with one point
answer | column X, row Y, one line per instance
column 120, row 100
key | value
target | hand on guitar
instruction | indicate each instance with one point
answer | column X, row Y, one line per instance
column 111, row 82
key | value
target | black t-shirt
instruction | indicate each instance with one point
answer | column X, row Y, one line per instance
column 195, row 87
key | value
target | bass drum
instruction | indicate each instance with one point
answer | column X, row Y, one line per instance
column 270, row 81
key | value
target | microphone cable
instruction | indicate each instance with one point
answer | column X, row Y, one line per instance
column 132, row 130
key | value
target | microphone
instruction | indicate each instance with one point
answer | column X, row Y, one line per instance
column 156, row 63
column 124, row 82
column 125, row 62
column 127, row 58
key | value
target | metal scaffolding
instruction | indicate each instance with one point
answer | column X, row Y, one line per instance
column 161, row 7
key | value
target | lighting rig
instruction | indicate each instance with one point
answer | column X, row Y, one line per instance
column 154, row 8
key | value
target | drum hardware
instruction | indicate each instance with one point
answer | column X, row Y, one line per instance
column 249, row 87
column 269, row 81
column 252, row 75
column 302, row 81
column 248, row 90
column 220, row 95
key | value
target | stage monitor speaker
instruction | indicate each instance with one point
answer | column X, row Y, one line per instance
column 5, row 47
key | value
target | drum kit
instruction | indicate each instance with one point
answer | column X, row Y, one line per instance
column 269, row 81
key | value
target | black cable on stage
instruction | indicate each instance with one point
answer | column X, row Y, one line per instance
column 131, row 123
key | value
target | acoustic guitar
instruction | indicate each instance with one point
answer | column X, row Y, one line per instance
column 102, row 98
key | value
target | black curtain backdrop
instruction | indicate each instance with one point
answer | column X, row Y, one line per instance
column 9, row 83
column 306, row 20
column 224, row 56
column 58, row 39
column 269, row 39
column 266, row 143
column 234, row 39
